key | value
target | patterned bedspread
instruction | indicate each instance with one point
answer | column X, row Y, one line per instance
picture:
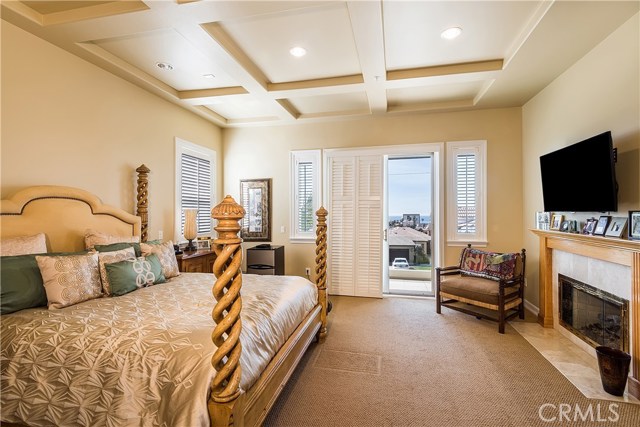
column 139, row 359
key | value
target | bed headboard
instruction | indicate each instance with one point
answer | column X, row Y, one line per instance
column 64, row 214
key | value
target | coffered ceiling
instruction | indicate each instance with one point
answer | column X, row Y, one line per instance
column 229, row 61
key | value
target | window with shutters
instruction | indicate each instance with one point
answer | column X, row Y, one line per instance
column 305, row 191
column 195, row 171
column 466, row 217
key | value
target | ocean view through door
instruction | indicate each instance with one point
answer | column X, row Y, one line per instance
column 409, row 225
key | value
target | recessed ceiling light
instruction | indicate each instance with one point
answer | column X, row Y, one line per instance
column 451, row 33
column 164, row 66
column 298, row 51
column 209, row 76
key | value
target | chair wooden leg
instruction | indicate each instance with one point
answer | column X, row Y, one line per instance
column 438, row 310
column 501, row 310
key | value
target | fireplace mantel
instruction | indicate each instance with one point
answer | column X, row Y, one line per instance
column 618, row 251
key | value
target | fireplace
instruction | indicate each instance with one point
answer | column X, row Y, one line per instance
column 595, row 316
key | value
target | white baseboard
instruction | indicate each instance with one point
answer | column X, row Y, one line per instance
column 532, row 308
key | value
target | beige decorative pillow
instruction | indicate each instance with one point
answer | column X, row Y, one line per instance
column 70, row 279
column 92, row 238
column 109, row 258
column 23, row 245
column 167, row 256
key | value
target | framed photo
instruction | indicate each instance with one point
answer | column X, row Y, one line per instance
column 256, row 201
column 634, row 225
column 564, row 226
column 601, row 226
column 556, row 222
column 589, row 225
column 543, row 219
column 617, row 226
column 203, row 244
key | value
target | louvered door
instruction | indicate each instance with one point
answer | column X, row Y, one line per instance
column 355, row 225
column 341, row 226
column 368, row 266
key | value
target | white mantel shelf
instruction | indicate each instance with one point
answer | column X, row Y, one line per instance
column 619, row 251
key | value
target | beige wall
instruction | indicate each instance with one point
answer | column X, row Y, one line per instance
column 600, row 92
column 68, row 122
column 263, row 152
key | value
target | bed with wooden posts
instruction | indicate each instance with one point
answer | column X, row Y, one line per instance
column 175, row 353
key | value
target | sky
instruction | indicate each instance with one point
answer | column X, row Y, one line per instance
column 410, row 186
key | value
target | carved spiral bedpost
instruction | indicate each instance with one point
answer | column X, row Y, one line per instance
column 143, row 201
column 225, row 387
column 321, row 268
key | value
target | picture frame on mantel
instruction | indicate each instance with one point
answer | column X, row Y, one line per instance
column 634, row 225
column 617, row 227
column 255, row 195
column 601, row 226
column 556, row 222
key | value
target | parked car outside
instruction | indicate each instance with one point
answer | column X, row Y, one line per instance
column 400, row 263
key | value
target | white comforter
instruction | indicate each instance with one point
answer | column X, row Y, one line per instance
column 141, row 358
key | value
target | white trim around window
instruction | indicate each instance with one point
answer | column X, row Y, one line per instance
column 305, row 178
column 467, row 193
column 200, row 164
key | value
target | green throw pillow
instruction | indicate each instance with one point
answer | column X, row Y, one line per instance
column 119, row 246
column 128, row 275
column 21, row 284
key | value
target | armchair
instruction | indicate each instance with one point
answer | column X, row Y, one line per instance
column 487, row 285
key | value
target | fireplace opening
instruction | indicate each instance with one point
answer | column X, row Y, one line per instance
column 595, row 316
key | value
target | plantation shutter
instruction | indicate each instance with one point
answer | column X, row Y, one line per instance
column 369, row 227
column 304, row 197
column 355, row 226
column 195, row 186
column 342, row 226
column 466, row 193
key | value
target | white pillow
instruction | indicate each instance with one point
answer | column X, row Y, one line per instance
column 69, row 279
column 167, row 256
column 92, row 238
column 23, row 245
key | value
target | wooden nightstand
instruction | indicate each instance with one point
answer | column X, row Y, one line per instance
column 200, row 261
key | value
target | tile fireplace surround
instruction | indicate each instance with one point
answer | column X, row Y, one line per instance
column 612, row 258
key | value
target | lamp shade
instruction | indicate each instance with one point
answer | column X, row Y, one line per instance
column 190, row 225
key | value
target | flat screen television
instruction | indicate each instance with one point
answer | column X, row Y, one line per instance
column 580, row 177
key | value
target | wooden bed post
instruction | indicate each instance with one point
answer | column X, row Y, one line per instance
column 143, row 202
column 321, row 268
column 225, row 387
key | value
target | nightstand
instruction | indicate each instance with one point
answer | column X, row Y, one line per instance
column 200, row 261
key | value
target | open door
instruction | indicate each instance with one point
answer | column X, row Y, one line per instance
column 409, row 225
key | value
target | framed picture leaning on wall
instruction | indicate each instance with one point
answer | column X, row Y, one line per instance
column 542, row 220
column 589, row 225
column 601, row 226
column 634, row 225
column 556, row 222
column 617, row 226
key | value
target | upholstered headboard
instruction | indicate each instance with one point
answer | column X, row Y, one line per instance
column 64, row 214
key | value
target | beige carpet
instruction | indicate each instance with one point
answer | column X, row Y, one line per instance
column 395, row 362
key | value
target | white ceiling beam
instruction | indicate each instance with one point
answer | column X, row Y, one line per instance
column 366, row 21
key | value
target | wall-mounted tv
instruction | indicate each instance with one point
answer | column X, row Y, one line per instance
column 580, row 177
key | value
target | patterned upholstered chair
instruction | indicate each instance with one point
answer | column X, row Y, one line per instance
column 488, row 285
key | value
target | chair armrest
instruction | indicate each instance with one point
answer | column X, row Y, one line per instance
column 450, row 268
column 512, row 282
column 447, row 271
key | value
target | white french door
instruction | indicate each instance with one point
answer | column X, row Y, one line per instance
column 355, row 184
column 355, row 199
